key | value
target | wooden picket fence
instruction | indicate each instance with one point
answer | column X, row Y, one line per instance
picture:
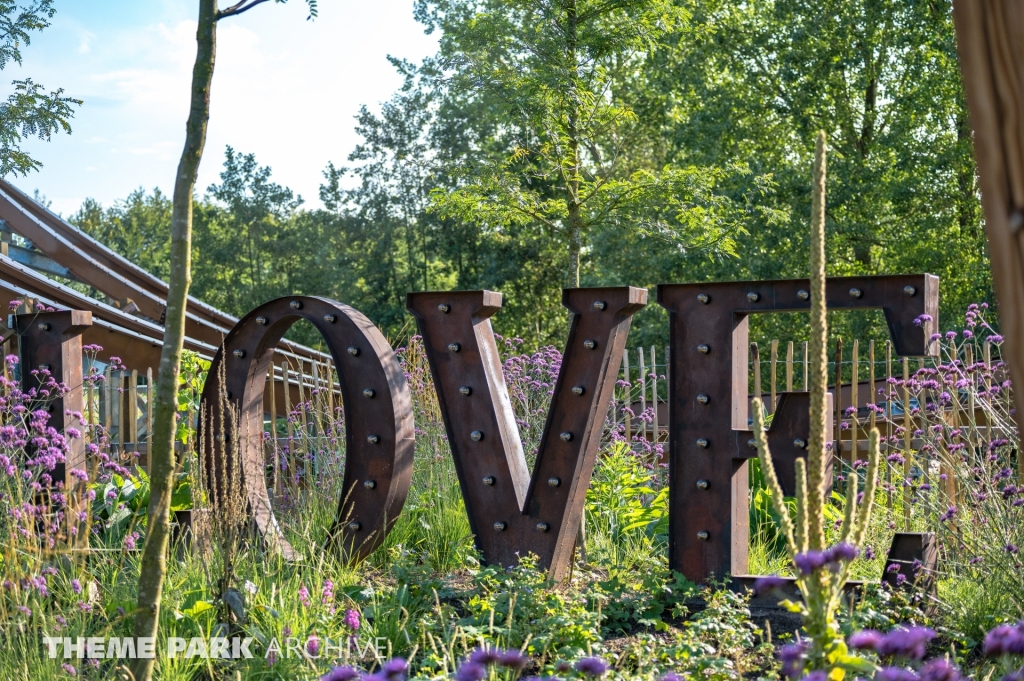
column 122, row 405
column 861, row 378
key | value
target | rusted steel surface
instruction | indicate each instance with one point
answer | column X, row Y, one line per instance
column 512, row 513
column 112, row 274
column 709, row 436
column 787, row 436
column 111, row 260
column 914, row 556
column 378, row 417
column 53, row 341
column 135, row 340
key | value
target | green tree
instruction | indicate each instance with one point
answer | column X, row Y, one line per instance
column 753, row 82
column 552, row 74
column 138, row 228
column 29, row 110
column 250, row 232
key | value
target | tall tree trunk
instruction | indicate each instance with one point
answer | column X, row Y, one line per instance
column 162, row 465
column 991, row 62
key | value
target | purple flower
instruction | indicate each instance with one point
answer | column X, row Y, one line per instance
column 940, row 669
column 792, row 657
column 868, row 639
column 351, row 619
column 304, row 595
column 896, row 674
column 948, row 515
column 313, row 646
column 76, row 586
column 471, row 671
column 1005, row 639
column 591, row 666
column 818, row 675
column 908, row 642
column 485, row 656
column 763, row 585
column 340, row 674
column 841, row 552
column 809, row 562
column 512, row 659
column 395, row 669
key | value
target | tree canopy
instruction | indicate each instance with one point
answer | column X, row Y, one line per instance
column 29, row 110
column 694, row 126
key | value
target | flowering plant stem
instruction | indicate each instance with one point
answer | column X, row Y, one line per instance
column 822, row 573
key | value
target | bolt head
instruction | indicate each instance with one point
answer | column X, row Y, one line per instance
column 799, row 443
column 753, row 296
column 476, row 436
column 703, row 298
column 262, row 321
column 490, row 480
column 702, row 443
column 354, row 351
column 239, row 353
column 566, row 436
column 703, row 535
column 803, row 295
column 369, row 392
column 578, row 390
column 465, row 390
column 295, row 305
column 702, row 484
column 454, row 347
column 444, row 308
column 542, row 527
column 499, row 526
column 355, row 526
column 703, row 399
column 590, row 344
column 909, row 291
column 752, row 443
column 373, row 439
column 554, row 482
column 703, row 349
column 330, row 319
column 856, row 293
column 369, row 484
column 43, row 326
column 599, row 305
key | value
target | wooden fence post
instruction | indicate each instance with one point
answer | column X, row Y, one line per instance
column 992, row 63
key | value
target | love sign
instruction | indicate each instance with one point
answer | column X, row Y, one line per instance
column 513, row 511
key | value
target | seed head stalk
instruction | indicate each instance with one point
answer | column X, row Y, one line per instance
column 822, row 574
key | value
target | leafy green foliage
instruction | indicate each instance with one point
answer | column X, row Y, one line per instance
column 29, row 110
column 519, row 605
column 554, row 72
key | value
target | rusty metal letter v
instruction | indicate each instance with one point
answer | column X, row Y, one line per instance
column 511, row 512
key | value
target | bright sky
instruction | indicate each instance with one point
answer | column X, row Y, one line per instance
column 284, row 88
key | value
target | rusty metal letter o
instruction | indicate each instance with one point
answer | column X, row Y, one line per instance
column 371, row 508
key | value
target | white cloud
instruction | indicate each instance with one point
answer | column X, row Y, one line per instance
column 284, row 89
